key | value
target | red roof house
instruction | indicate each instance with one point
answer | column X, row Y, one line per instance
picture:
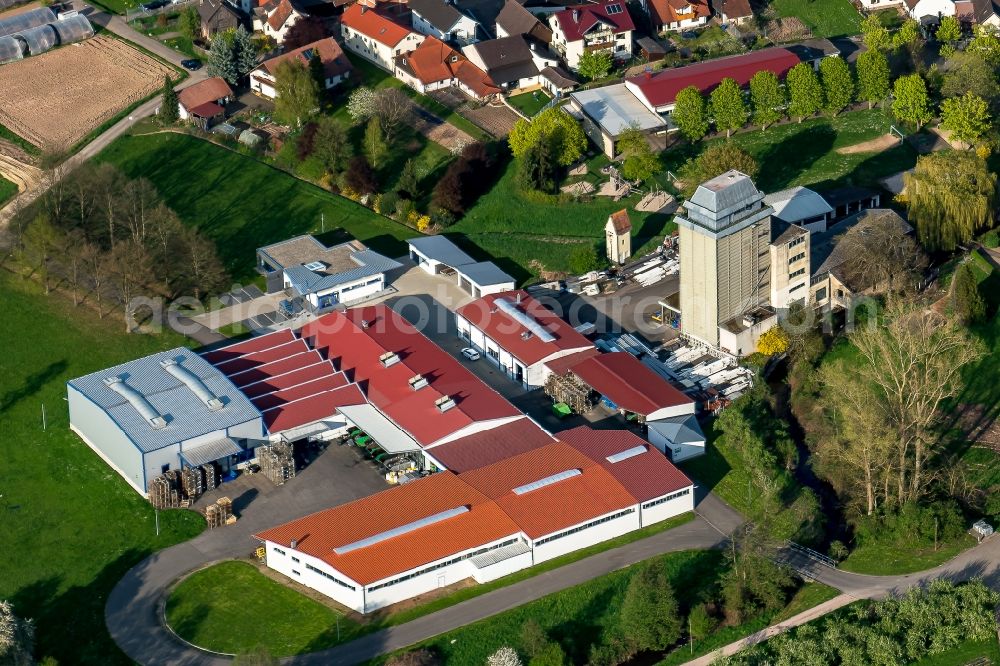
column 434, row 65
column 204, row 101
column 658, row 91
column 678, row 14
column 336, row 66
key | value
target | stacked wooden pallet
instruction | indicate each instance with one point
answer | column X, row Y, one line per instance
column 277, row 462
column 165, row 491
column 193, row 482
column 210, row 476
column 220, row 513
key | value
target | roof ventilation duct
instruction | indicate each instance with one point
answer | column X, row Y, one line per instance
column 444, row 403
column 417, row 382
column 138, row 402
column 526, row 320
column 389, row 359
column 193, row 382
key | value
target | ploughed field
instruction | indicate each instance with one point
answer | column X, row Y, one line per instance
column 55, row 99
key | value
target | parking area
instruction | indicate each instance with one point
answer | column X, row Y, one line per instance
column 241, row 295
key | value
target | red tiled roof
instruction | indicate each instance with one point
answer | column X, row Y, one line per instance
column 319, row 533
column 625, row 381
column 645, row 476
column 620, row 222
column 203, row 92
column 433, row 61
column 305, row 389
column 292, row 361
column 356, row 350
column 592, row 493
column 490, row 446
column 661, row 89
column 330, row 54
column 665, row 12
column 577, row 20
column 257, row 358
column 288, row 379
column 508, row 333
column 206, row 110
column 370, row 23
column 278, row 17
column 311, row 409
column 249, row 346
column 737, row 9
column 561, row 365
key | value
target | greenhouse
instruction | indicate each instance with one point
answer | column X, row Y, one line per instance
column 10, row 49
column 73, row 29
column 27, row 20
column 39, row 39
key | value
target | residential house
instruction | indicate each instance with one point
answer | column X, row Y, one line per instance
column 510, row 62
column 985, row 12
column 375, row 37
column 514, row 19
column 336, row 67
column 873, row 5
column 737, row 12
column 434, row 65
column 217, row 16
column 930, row 10
column 204, row 102
column 603, row 26
column 800, row 206
column 440, row 19
column 673, row 15
column 814, row 51
column 789, row 250
column 833, row 284
column 275, row 17
column 557, row 81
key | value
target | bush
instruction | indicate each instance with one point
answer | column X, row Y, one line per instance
column 583, row 259
column 990, row 239
column 305, row 143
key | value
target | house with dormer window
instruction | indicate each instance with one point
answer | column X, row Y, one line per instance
column 671, row 15
column 376, row 38
column 604, row 26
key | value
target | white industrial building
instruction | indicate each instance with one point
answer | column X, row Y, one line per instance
column 482, row 524
column 162, row 412
column 439, row 256
column 519, row 335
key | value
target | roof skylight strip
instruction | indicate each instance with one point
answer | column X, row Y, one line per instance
column 627, row 453
column 547, row 481
column 401, row 530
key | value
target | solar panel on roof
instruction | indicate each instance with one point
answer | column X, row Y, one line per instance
column 315, row 265
column 614, row 9
column 627, row 453
column 402, row 529
column 547, row 481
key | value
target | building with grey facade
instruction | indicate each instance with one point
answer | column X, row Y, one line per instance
column 161, row 412
column 724, row 238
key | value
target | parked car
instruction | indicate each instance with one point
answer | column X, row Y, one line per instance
column 155, row 4
column 191, row 64
column 470, row 354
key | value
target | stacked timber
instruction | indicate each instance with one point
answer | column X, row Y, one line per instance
column 220, row 513
column 277, row 462
column 571, row 390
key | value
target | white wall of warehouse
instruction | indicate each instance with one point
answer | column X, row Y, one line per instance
column 588, row 537
column 297, row 571
column 668, row 509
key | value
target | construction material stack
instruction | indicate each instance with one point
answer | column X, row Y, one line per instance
column 165, row 491
column 570, row 390
column 192, row 483
column 277, row 462
column 210, row 477
column 220, row 513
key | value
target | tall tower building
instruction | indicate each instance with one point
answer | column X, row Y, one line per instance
column 724, row 238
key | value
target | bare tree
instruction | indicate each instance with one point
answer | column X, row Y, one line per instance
column 41, row 240
column 391, row 106
column 74, row 262
column 914, row 361
column 881, row 256
column 139, row 199
column 96, row 263
column 204, row 268
column 130, row 263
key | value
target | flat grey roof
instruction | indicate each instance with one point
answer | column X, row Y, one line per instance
column 615, row 108
column 365, row 264
column 485, row 273
column 439, row 248
column 185, row 413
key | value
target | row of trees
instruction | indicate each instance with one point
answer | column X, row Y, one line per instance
column 103, row 236
column 923, row 622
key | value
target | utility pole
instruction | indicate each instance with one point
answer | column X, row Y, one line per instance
column 156, row 517
column 690, row 635
column 322, row 222
column 935, row 533
column 44, row 420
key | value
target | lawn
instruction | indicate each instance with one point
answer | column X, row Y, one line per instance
column 966, row 653
column 7, row 191
column 806, row 153
column 826, row 18
column 508, row 223
column 71, row 527
column 241, row 203
column 20, row 142
column 890, row 559
column 530, row 103
column 231, row 607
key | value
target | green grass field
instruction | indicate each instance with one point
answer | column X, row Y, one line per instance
column 241, row 203
column 892, row 559
column 826, row 18
column 7, row 190
column 529, row 103
column 231, row 607
column 966, row 653
column 806, row 153
column 71, row 527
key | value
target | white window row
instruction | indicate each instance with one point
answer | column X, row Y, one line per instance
column 586, row 526
column 667, row 498
column 441, row 565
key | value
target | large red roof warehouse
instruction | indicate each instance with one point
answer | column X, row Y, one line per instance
column 511, row 334
column 490, row 446
column 624, row 380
